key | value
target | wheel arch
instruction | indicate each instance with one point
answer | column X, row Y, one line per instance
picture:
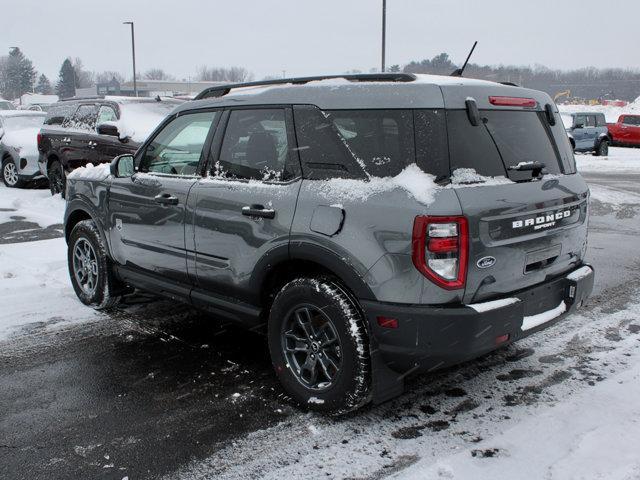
column 76, row 212
column 279, row 267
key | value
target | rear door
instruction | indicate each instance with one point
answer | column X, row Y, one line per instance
column 108, row 147
column 592, row 132
column 243, row 211
column 147, row 212
column 520, row 233
column 80, row 138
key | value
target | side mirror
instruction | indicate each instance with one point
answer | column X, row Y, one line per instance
column 122, row 166
column 108, row 129
column 579, row 125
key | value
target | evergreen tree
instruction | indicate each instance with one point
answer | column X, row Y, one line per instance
column 66, row 86
column 44, row 85
column 19, row 74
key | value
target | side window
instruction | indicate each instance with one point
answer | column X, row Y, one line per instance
column 580, row 120
column 601, row 121
column 84, row 118
column 635, row 121
column 59, row 114
column 255, row 146
column 177, row 148
column 591, row 121
column 106, row 114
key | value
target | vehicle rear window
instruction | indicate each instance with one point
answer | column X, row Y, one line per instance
column 504, row 139
column 363, row 143
column 57, row 114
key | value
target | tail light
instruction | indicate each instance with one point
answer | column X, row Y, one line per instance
column 440, row 249
column 39, row 140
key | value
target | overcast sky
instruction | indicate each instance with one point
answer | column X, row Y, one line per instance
column 318, row 36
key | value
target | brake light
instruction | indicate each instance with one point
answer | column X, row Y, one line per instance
column 440, row 249
column 513, row 102
column 39, row 140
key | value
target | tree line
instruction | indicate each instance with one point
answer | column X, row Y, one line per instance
column 584, row 83
column 18, row 76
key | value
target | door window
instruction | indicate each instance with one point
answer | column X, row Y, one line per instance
column 84, row 118
column 601, row 121
column 106, row 114
column 580, row 120
column 631, row 121
column 591, row 121
column 255, row 146
column 177, row 149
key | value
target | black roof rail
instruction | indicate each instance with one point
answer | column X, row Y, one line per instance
column 509, row 84
column 221, row 90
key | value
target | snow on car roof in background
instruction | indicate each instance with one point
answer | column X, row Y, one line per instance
column 21, row 113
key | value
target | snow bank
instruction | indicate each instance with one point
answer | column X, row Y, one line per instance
column 35, row 288
column 619, row 160
column 611, row 113
column 594, row 434
column 32, row 205
column 91, row 172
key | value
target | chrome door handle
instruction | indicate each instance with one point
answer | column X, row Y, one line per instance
column 258, row 211
column 166, row 199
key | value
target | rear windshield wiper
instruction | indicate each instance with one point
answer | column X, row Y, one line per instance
column 534, row 167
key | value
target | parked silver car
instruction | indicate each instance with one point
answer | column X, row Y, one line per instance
column 18, row 146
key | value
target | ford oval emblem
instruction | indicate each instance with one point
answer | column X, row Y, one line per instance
column 486, row 262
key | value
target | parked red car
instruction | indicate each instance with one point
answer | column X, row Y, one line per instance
column 626, row 132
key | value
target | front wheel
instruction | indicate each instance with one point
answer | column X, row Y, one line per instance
column 10, row 174
column 603, row 149
column 319, row 345
column 89, row 267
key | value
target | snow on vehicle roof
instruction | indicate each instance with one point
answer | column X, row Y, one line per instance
column 21, row 113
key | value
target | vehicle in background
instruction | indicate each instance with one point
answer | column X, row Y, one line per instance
column 95, row 130
column 35, row 107
column 6, row 105
column 18, row 146
column 587, row 132
column 377, row 225
column 626, row 131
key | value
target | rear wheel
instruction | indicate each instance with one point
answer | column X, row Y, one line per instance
column 90, row 269
column 56, row 178
column 10, row 174
column 603, row 149
column 319, row 345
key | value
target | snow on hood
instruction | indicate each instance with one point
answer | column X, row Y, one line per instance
column 91, row 172
column 138, row 120
column 25, row 140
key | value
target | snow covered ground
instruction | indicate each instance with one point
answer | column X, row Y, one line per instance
column 560, row 405
column 34, row 281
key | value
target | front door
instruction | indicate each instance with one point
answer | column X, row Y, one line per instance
column 147, row 211
column 80, row 136
column 110, row 146
column 245, row 209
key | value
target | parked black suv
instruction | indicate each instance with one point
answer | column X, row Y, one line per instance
column 95, row 130
column 378, row 225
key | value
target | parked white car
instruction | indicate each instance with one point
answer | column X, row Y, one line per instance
column 19, row 146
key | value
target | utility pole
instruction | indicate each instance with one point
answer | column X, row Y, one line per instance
column 384, row 31
column 133, row 52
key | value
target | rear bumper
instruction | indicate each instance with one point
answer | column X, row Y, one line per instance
column 432, row 337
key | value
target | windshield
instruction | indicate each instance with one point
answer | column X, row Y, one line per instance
column 4, row 105
column 19, row 122
column 505, row 141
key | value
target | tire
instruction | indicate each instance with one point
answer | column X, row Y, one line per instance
column 57, row 179
column 331, row 336
column 87, row 259
column 603, row 149
column 10, row 174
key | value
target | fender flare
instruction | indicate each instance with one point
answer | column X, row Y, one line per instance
column 306, row 251
column 78, row 204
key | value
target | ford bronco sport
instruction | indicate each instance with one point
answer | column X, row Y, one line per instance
column 378, row 225
column 588, row 132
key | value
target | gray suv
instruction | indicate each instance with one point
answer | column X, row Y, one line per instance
column 378, row 225
column 588, row 132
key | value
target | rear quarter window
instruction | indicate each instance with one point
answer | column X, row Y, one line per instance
column 58, row 114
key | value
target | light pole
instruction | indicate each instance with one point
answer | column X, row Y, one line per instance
column 133, row 53
column 384, row 31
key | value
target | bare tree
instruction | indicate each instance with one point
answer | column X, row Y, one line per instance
column 157, row 74
column 108, row 76
column 222, row 74
column 84, row 78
